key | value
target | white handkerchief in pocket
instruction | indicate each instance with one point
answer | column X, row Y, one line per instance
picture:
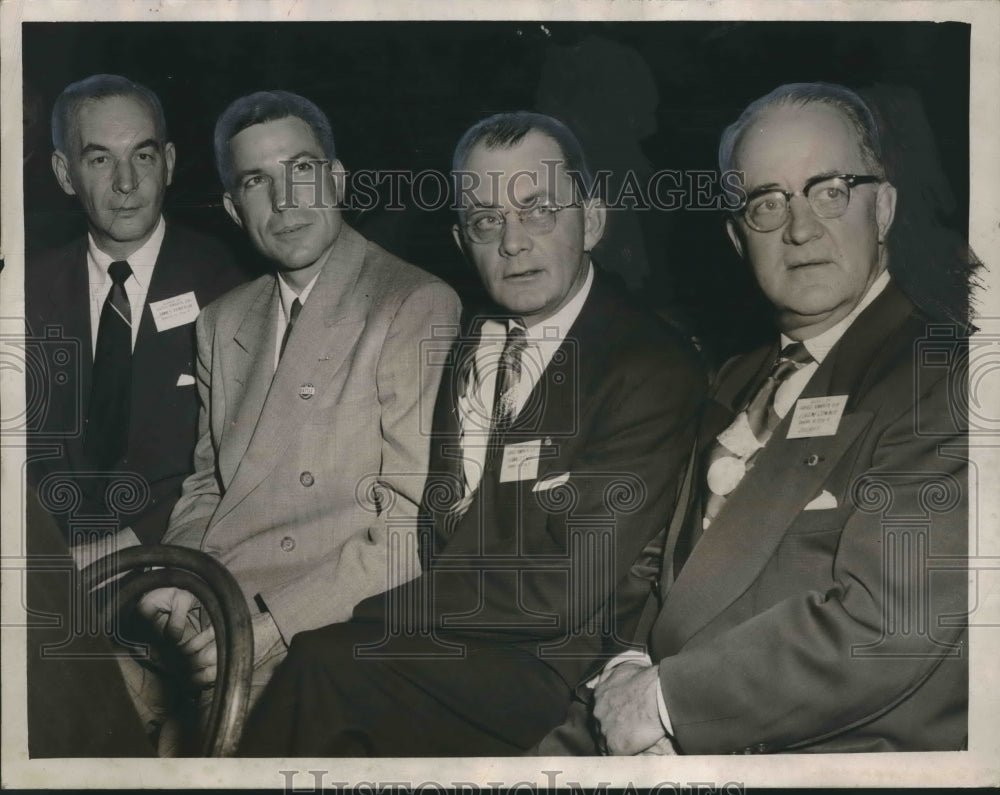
column 823, row 502
column 185, row 380
column 551, row 482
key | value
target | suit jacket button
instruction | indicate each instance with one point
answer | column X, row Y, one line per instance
column 287, row 544
column 307, row 479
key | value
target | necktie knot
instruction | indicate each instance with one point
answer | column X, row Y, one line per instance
column 796, row 352
column 119, row 271
column 517, row 342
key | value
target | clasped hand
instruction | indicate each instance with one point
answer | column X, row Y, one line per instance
column 626, row 711
column 172, row 612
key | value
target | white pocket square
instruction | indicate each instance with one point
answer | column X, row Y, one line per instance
column 823, row 502
column 551, row 482
column 185, row 380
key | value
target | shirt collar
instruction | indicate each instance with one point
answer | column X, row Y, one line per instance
column 286, row 295
column 820, row 345
column 141, row 261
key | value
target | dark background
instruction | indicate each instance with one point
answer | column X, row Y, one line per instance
column 641, row 96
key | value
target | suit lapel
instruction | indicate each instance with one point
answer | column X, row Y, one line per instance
column 749, row 527
column 69, row 300
column 786, row 475
column 326, row 332
column 247, row 375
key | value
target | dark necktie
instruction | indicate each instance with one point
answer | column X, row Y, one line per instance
column 292, row 317
column 508, row 376
column 732, row 453
column 106, row 438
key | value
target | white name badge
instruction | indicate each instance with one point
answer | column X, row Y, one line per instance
column 177, row 311
column 818, row 416
column 520, row 461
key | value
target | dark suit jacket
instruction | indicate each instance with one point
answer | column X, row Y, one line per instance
column 164, row 420
column 836, row 629
column 550, row 570
column 78, row 705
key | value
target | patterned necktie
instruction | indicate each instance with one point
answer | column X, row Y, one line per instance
column 293, row 315
column 106, row 437
column 734, row 449
column 508, row 377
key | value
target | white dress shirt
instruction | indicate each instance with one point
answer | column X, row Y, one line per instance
column 286, row 296
column 136, row 285
column 785, row 396
column 475, row 404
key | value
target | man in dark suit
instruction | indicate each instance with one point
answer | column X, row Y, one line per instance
column 814, row 589
column 559, row 432
column 114, row 314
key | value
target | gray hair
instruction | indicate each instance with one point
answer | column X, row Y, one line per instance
column 68, row 104
column 850, row 105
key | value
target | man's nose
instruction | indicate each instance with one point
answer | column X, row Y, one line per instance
column 279, row 196
column 124, row 177
column 515, row 238
column 803, row 225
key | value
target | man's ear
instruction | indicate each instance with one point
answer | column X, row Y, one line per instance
column 734, row 235
column 339, row 181
column 456, row 234
column 885, row 209
column 60, row 165
column 594, row 218
column 169, row 157
column 232, row 209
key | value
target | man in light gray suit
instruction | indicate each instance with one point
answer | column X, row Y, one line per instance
column 315, row 396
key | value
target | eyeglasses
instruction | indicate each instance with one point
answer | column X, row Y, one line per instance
column 828, row 196
column 487, row 225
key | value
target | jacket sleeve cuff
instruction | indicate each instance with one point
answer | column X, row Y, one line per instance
column 661, row 706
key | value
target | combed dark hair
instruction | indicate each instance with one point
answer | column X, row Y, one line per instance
column 101, row 87
column 853, row 108
column 506, row 130
column 264, row 106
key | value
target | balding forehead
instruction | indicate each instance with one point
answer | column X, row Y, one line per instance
column 814, row 130
column 532, row 169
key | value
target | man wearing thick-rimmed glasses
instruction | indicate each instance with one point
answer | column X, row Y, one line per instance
column 560, row 431
column 813, row 590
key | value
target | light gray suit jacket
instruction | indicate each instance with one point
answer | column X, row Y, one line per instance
column 308, row 479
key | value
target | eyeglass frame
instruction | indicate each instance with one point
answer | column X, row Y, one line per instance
column 852, row 181
column 519, row 212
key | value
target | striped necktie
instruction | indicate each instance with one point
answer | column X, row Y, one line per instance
column 508, row 378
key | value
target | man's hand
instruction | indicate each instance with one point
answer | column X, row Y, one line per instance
column 169, row 609
column 204, row 657
column 625, row 708
column 662, row 747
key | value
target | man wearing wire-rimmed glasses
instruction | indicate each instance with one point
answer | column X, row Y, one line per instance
column 563, row 419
